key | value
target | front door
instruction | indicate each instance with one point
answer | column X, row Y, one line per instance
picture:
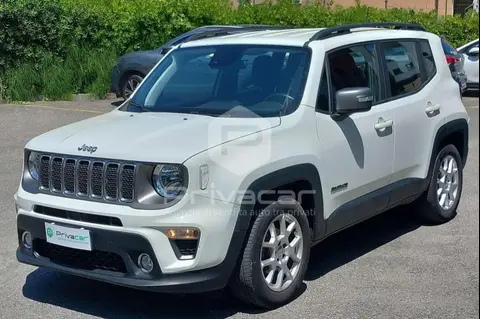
column 358, row 150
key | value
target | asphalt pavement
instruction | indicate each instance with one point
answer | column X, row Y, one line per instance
column 387, row 267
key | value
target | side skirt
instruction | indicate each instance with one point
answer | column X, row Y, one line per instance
column 372, row 204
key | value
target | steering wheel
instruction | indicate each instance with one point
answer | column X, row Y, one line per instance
column 277, row 95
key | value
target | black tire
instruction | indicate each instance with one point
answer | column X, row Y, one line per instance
column 126, row 88
column 427, row 206
column 247, row 282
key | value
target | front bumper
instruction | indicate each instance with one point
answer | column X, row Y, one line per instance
column 121, row 248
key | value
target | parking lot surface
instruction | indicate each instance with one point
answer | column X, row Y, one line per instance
column 387, row 267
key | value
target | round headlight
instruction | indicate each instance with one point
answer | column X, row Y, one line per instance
column 168, row 180
column 33, row 163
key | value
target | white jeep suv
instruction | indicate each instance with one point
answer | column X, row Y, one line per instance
column 239, row 152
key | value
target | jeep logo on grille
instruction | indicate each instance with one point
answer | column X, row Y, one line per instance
column 85, row 148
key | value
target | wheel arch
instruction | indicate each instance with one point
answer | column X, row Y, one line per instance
column 455, row 132
column 295, row 178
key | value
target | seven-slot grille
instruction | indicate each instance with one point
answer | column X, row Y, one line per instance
column 88, row 178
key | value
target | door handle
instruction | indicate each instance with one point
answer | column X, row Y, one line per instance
column 382, row 124
column 432, row 108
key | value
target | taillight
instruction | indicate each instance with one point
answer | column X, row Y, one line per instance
column 452, row 59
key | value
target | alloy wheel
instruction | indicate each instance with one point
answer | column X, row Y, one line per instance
column 448, row 182
column 130, row 86
column 281, row 253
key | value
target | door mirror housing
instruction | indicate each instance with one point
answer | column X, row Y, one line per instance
column 474, row 51
column 353, row 100
column 165, row 50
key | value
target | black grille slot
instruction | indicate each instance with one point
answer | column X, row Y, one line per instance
column 56, row 172
column 45, row 172
column 80, row 259
column 127, row 183
column 97, row 179
column 186, row 247
column 69, row 176
column 111, row 181
column 82, row 177
column 88, row 218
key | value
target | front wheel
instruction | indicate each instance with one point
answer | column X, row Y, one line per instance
column 130, row 85
column 275, row 257
column 439, row 204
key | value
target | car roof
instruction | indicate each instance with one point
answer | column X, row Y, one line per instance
column 184, row 36
column 300, row 36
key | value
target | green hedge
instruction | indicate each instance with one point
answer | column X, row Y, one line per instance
column 33, row 33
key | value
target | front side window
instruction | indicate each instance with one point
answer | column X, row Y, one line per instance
column 355, row 66
column 403, row 67
column 220, row 80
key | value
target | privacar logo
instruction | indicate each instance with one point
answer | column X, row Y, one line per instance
column 49, row 232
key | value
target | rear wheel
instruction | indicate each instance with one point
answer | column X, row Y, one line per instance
column 276, row 256
column 439, row 204
column 130, row 84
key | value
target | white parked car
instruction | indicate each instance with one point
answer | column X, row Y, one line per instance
column 200, row 181
column 471, row 53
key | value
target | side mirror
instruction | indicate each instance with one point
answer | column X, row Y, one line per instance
column 165, row 50
column 353, row 100
column 474, row 51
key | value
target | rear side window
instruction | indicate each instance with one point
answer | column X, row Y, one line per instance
column 403, row 67
column 428, row 60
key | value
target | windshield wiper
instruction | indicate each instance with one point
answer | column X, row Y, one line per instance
column 139, row 106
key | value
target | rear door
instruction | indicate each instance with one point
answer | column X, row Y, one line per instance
column 415, row 108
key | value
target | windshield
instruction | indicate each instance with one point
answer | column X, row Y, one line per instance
column 226, row 80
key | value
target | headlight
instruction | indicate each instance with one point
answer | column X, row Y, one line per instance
column 33, row 163
column 168, row 180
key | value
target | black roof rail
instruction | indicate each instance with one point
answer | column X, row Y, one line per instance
column 345, row 29
column 230, row 30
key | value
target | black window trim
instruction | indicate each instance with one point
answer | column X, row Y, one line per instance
column 326, row 72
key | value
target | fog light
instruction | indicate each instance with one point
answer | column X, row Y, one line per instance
column 183, row 233
column 27, row 240
column 145, row 263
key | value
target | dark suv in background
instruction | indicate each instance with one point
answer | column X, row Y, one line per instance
column 131, row 68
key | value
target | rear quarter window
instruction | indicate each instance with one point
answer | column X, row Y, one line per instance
column 428, row 60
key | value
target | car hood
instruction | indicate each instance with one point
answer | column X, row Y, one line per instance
column 147, row 137
column 140, row 55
